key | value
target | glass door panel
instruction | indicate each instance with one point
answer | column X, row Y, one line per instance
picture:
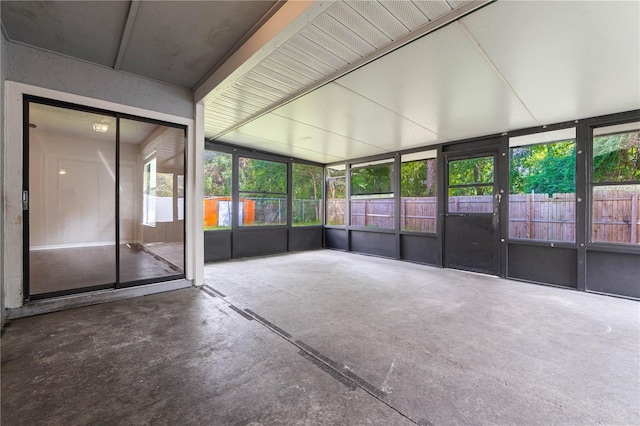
column 151, row 202
column 471, row 219
column 70, row 219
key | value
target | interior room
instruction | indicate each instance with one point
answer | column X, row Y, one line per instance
column 320, row 212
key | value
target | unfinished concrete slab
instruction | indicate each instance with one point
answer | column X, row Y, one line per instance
column 326, row 337
column 175, row 358
column 447, row 346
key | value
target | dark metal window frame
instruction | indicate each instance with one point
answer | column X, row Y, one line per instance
column 507, row 195
column 27, row 101
column 237, row 152
column 592, row 124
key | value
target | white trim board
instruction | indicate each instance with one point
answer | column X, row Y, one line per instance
column 12, row 214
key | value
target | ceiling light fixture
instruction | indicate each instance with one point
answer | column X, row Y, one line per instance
column 100, row 127
column 62, row 172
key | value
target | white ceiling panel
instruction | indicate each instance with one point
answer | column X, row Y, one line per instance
column 272, row 127
column 277, row 147
column 443, row 83
column 565, row 60
column 341, row 111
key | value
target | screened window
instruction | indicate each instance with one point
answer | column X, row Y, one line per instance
column 217, row 190
column 615, row 201
column 372, row 194
column 542, row 186
column 470, row 185
column 336, row 190
column 263, row 192
column 307, row 195
column 419, row 188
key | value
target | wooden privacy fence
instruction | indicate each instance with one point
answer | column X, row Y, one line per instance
column 531, row 216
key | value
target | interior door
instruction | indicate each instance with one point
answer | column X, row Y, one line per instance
column 471, row 222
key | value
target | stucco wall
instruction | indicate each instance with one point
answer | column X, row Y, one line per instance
column 3, row 71
column 57, row 72
column 44, row 74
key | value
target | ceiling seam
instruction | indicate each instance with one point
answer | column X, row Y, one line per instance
column 126, row 34
column 328, row 131
column 390, row 110
column 278, row 143
column 4, row 31
column 484, row 54
column 426, row 29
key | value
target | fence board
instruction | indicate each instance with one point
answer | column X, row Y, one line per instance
column 615, row 214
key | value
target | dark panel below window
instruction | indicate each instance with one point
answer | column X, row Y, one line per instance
column 614, row 273
column 258, row 242
column 217, row 246
column 549, row 265
column 420, row 248
column 308, row 238
column 335, row 238
column 378, row 244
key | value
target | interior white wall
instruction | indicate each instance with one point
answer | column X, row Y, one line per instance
column 12, row 248
column 78, row 208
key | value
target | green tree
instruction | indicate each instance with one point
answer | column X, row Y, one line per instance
column 376, row 179
column 543, row 169
column 419, row 178
column 616, row 158
column 262, row 176
column 217, row 174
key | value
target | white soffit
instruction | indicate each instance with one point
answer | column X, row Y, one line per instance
column 343, row 34
column 565, row 59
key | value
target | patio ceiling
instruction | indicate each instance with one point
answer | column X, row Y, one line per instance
column 507, row 66
column 328, row 81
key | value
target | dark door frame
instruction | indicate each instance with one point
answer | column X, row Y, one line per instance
column 475, row 149
column 27, row 101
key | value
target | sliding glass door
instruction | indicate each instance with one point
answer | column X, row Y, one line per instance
column 103, row 200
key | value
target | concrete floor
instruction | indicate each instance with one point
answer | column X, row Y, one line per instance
column 330, row 338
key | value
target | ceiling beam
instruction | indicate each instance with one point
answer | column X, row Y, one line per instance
column 128, row 27
column 285, row 23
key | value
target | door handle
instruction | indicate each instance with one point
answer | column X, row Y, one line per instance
column 25, row 200
column 499, row 198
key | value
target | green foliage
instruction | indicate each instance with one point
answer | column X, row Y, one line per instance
column 376, row 179
column 419, row 178
column 335, row 183
column 262, row 176
column 164, row 185
column 471, row 171
column 217, row 174
column 543, row 169
column 616, row 158
column 307, row 182
column 307, row 192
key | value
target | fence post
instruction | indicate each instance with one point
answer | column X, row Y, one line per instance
column 365, row 211
column 528, row 215
column 634, row 218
